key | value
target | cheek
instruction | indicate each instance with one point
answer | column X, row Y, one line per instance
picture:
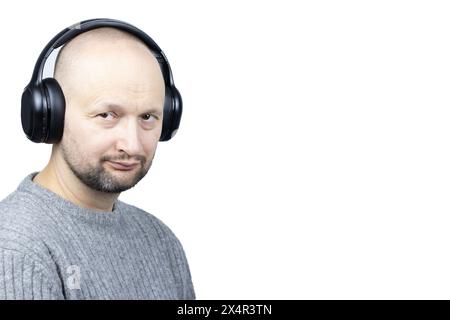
column 149, row 140
column 91, row 144
column 149, row 146
column 152, row 137
column 75, row 128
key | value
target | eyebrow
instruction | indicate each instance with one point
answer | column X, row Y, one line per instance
column 118, row 107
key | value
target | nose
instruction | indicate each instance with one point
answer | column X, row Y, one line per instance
column 129, row 139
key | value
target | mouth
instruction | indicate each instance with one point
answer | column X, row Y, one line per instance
column 122, row 166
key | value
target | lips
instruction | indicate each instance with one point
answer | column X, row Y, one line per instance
column 123, row 166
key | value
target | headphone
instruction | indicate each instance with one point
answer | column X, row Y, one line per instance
column 43, row 102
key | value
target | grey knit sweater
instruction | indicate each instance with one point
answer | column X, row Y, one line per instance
column 51, row 248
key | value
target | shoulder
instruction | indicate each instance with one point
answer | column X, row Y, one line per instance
column 151, row 224
column 22, row 211
column 21, row 228
column 156, row 229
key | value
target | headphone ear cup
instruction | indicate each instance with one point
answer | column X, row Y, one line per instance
column 173, row 108
column 32, row 110
column 56, row 106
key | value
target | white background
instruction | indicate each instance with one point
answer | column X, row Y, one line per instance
column 312, row 159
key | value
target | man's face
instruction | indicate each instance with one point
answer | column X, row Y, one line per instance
column 114, row 111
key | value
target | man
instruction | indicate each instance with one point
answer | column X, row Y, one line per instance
column 63, row 232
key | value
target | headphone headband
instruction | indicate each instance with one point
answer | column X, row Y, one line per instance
column 74, row 30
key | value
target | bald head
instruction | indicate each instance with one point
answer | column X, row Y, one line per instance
column 68, row 54
column 99, row 57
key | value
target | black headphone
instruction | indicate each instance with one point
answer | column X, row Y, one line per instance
column 43, row 102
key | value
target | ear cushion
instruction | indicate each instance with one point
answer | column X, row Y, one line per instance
column 177, row 111
column 31, row 113
column 56, row 106
column 173, row 107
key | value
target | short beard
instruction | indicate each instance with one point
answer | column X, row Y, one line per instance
column 98, row 178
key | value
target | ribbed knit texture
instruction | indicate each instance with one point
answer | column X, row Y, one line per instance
column 51, row 248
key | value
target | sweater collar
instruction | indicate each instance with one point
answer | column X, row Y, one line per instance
column 55, row 200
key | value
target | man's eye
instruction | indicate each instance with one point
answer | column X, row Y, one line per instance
column 148, row 115
column 104, row 115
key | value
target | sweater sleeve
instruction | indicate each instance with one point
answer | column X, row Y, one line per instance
column 24, row 278
column 187, row 287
